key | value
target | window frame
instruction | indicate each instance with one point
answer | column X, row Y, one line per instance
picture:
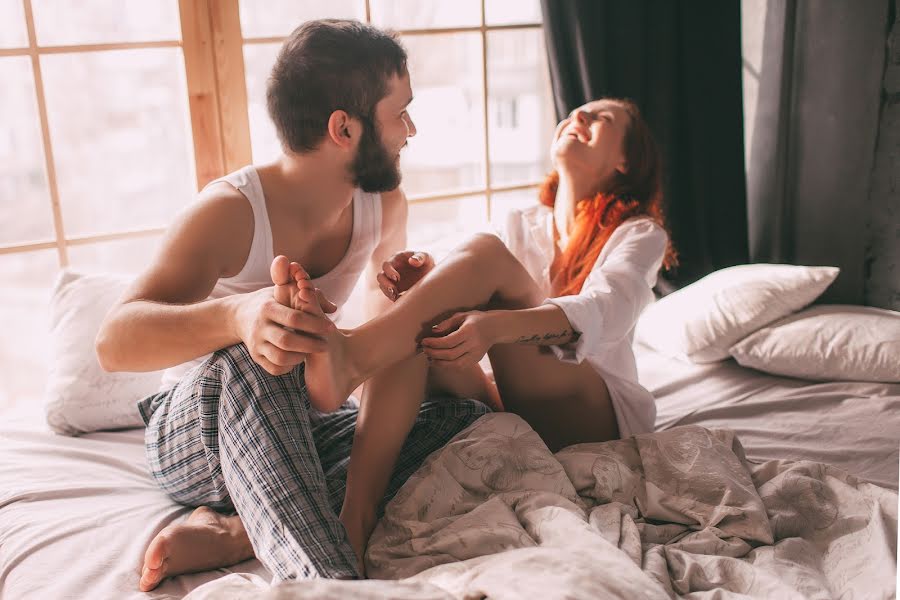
column 212, row 44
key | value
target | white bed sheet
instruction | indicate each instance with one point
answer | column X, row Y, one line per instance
column 76, row 515
column 852, row 425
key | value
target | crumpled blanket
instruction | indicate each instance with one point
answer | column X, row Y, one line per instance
column 673, row 514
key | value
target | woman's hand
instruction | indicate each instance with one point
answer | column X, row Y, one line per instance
column 403, row 271
column 464, row 339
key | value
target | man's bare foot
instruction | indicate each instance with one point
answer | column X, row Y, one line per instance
column 328, row 374
column 206, row 540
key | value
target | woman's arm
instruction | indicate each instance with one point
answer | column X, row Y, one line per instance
column 576, row 326
column 615, row 292
column 542, row 326
column 467, row 336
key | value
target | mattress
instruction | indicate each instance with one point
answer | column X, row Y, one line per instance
column 76, row 514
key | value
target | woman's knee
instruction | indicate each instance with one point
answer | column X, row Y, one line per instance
column 486, row 245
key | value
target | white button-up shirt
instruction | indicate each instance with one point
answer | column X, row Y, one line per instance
column 618, row 288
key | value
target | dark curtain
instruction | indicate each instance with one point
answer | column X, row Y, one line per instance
column 814, row 137
column 680, row 61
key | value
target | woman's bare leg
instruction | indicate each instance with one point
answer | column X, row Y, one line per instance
column 469, row 381
column 565, row 403
column 456, row 284
column 388, row 408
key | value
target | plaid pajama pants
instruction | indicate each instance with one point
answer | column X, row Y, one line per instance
column 233, row 437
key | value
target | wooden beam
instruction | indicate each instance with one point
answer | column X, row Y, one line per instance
column 49, row 162
column 228, row 53
column 199, row 67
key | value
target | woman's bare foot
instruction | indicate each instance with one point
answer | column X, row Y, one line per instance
column 329, row 378
column 359, row 528
column 285, row 275
column 206, row 540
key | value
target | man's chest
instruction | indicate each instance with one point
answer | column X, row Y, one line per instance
column 318, row 249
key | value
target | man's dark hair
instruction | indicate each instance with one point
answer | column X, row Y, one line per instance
column 329, row 65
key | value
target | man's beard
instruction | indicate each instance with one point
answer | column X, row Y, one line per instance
column 374, row 169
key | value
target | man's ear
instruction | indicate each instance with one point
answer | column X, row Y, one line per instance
column 343, row 129
column 622, row 168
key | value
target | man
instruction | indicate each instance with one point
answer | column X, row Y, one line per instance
column 236, row 431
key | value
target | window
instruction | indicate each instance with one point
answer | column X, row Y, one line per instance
column 115, row 112
column 95, row 146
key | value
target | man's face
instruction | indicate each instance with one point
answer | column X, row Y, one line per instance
column 376, row 167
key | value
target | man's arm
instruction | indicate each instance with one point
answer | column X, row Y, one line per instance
column 164, row 319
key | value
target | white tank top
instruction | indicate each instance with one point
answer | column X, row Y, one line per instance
column 337, row 284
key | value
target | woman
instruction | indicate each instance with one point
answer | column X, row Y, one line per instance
column 554, row 306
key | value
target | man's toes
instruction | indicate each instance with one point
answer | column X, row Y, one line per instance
column 150, row 578
column 157, row 551
column 154, row 563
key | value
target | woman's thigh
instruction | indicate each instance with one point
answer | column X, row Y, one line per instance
column 563, row 402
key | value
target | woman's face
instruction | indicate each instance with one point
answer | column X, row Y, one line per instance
column 590, row 141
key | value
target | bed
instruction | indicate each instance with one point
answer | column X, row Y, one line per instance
column 76, row 513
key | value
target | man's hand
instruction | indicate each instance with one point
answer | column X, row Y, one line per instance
column 277, row 336
column 402, row 271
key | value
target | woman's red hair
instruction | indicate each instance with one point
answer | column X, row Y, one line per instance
column 638, row 192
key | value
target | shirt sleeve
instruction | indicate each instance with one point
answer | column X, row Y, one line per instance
column 615, row 292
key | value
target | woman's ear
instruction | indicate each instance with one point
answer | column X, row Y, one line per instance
column 622, row 168
column 343, row 129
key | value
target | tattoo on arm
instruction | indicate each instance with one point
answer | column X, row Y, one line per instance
column 551, row 338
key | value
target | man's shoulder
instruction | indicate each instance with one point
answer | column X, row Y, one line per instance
column 222, row 203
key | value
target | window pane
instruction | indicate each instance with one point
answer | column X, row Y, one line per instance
column 415, row 14
column 258, row 61
column 24, row 301
column 503, row 202
column 121, row 137
column 520, row 107
column 265, row 18
column 59, row 22
column 25, row 213
column 438, row 227
column 13, row 34
column 128, row 257
column 512, row 12
column 447, row 153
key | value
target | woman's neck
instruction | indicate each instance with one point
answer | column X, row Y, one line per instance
column 569, row 193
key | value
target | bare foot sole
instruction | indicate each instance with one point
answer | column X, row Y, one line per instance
column 206, row 540
column 327, row 380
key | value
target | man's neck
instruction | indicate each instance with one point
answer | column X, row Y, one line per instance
column 309, row 185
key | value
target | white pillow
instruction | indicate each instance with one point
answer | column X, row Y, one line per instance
column 701, row 322
column 834, row 342
column 81, row 397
